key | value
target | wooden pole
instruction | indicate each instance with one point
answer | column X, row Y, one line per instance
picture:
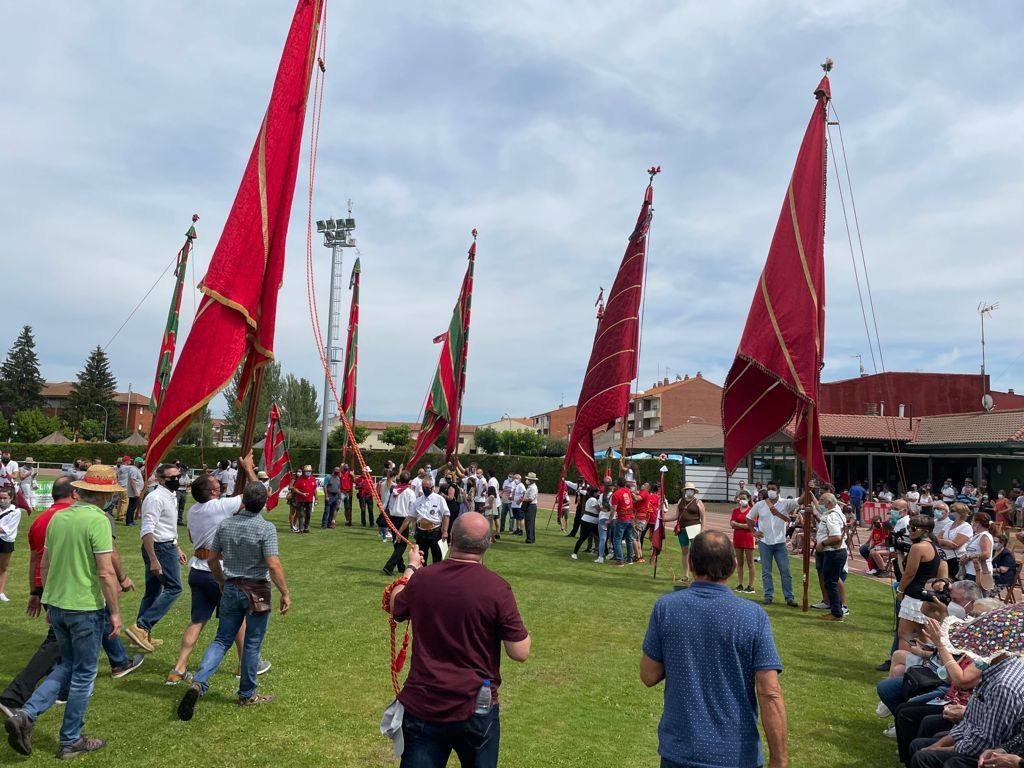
column 808, row 508
column 255, row 389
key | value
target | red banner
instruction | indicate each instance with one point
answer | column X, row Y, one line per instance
column 276, row 461
column 774, row 377
column 235, row 322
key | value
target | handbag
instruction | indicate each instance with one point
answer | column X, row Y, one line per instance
column 918, row 680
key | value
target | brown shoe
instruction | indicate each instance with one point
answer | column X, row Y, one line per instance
column 156, row 643
column 255, row 700
column 80, row 747
column 139, row 637
column 830, row 617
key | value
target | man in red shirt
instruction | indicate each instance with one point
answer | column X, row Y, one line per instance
column 347, row 481
column 623, row 511
column 461, row 615
column 304, row 489
column 47, row 656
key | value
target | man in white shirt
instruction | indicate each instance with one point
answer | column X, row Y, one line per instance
column 430, row 512
column 913, row 497
column 417, row 482
column 506, row 500
column 479, row 491
column 400, row 503
column 517, row 505
column 162, row 555
column 529, row 510
column 948, row 491
column 885, row 496
column 831, row 553
column 203, row 519
column 8, row 470
column 134, row 490
column 769, row 519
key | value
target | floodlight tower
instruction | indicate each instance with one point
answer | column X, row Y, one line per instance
column 337, row 236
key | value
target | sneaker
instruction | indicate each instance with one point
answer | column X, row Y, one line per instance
column 884, row 666
column 792, row 603
column 846, row 611
column 890, row 732
column 767, row 601
column 750, row 589
column 174, row 677
column 295, row 529
column 80, row 747
column 871, row 572
column 4, row 598
column 139, row 637
column 574, row 556
column 822, row 606
column 187, row 707
column 62, row 699
column 133, row 663
column 497, row 537
column 739, row 588
column 599, row 560
column 255, row 700
column 882, row 711
column 262, row 668
column 19, row 732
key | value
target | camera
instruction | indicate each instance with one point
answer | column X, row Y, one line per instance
column 938, row 595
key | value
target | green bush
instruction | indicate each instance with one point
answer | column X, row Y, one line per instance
column 546, row 468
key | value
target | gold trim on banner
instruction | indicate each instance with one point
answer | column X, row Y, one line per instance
column 262, row 157
column 618, row 322
column 803, row 263
column 603, row 359
column 751, row 406
column 778, row 335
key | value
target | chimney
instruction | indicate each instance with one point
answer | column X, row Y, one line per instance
column 872, row 409
column 686, row 377
column 899, row 412
column 881, row 408
column 1010, row 391
column 665, row 381
column 698, row 375
column 680, row 378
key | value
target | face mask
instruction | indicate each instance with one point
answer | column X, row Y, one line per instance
column 172, row 483
column 981, row 664
column 894, row 516
column 938, row 515
column 773, row 495
column 743, row 503
column 688, row 494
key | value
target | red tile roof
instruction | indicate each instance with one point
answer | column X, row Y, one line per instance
column 852, row 427
column 969, row 428
column 692, row 436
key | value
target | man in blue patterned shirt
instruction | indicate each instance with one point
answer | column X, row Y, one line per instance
column 716, row 654
column 244, row 559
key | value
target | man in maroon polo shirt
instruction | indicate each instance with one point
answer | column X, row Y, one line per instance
column 461, row 614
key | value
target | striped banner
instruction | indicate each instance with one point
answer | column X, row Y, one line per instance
column 276, row 462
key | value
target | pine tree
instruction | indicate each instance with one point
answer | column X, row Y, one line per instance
column 92, row 393
column 21, row 384
column 301, row 410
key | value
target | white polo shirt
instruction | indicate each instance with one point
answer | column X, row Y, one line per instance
column 402, row 503
column 203, row 520
column 417, row 485
column 508, row 486
column 160, row 515
column 832, row 524
column 530, row 494
column 771, row 526
column 431, row 509
column 480, row 492
column 517, row 495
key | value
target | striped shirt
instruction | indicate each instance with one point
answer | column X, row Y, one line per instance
column 245, row 541
column 994, row 710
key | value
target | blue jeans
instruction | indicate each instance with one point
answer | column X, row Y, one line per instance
column 162, row 590
column 622, row 529
column 475, row 741
column 776, row 552
column 234, row 609
column 602, row 536
column 330, row 509
column 506, row 509
column 890, row 693
column 832, row 563
column 79, row 635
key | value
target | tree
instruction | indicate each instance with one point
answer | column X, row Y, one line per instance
column 301, row 410
column 555, row 446
column 273, row 392
column 21, row 384
column 92, row 393
column 199, row 431
column 337, row 439
column 90, row 430
column 33, row 425
column 397, row 436
column 516, row 442
column 488, row 440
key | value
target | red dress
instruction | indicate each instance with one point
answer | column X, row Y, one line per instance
column 741, row 539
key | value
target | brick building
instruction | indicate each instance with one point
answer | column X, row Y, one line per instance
column 133, row 412
column 901, row 393
column 557, row 423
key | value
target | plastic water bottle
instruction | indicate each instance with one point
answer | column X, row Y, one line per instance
column 483, row 699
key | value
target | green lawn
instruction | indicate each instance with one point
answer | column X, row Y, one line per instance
column 577, row 701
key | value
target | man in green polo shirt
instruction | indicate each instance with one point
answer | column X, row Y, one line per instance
column 78, row 573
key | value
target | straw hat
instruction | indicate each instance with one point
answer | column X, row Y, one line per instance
column 531, row 476
column 29, row 460
column 100, row 478
column 262, row 475
column 308, row 468
column 691, row 487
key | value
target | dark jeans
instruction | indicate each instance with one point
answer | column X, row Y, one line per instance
column 396, row 560
column 475, row 741
column 79, row 635
column 931, row 758
column 588, row 533
column 530, row 513
column 366, row 512
column 133, row 507
column 330, row 509
column 909, row 721
column 305, row 510
column 346, row 500
column 506, row 509
column 427, row 541
column 234, row 609
column 832, row 563
column 577, row 521
column 162, row 590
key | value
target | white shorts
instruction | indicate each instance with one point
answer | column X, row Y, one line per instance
column 910, row 609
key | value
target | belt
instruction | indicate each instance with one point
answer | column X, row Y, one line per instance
column 204, row 554
column 426, row 526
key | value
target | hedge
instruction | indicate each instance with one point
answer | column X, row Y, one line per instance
column 546, row 468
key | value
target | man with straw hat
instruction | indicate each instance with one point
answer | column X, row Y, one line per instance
column 995, row 643
column 530, row 507
column 80, row 581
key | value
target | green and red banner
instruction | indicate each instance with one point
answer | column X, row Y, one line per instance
column 165, row 362
column 348, row 384
column 235, row 322
column 444, row 402
column 275, row 461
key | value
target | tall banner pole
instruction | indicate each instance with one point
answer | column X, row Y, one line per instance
column 806, row 501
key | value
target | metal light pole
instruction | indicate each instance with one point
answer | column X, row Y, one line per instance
column 106, row 419
column 509, row 439
column 337, row 236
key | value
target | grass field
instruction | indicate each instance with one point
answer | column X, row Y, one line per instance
column 578, row 700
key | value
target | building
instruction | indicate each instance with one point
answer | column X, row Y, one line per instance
column 557, row 423
column 376, row 429
column 133, row 412
column 900, row 393
column 222, row 435
column 509, row 425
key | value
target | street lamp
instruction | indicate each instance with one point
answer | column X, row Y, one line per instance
column 509, row 417
column 106, row 419
column 337, row 236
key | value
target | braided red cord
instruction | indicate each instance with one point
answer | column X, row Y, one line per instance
column 397, row 659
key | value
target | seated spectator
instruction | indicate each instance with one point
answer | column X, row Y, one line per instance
column 875, row 551
column 1004, row 564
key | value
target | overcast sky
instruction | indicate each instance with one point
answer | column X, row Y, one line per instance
column 534, row 122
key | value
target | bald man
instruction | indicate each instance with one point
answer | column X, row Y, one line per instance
column 461, row 615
